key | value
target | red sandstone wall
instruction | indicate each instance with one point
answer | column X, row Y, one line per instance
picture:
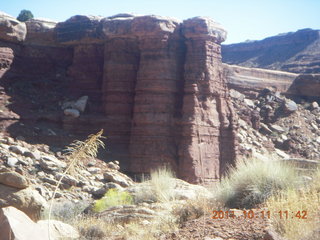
column 154, row 84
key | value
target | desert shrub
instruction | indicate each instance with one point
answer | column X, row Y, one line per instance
column 92, row 228
column 92, row 232
column 251, row 182
column 158, row 187
column 25, row 15
column 66, row 210
column 193, row 209
column 113, row 197
column 161, row 184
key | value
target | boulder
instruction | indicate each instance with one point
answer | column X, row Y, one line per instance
column 67, row 179
column 11, row 161
column 118, row 178
column 277, row 128
column 74, row 113
column 16, row 225
column 314, row 105
column 17, row 149
column 58, row 229
column 81, row 103
column 180, row 190
column 51, row 163
column 127, row 213
column 13, row 179
column 34, row 155
column 289, row 106
column 27, row 200
column 249, row 102
column 306, row 85
column 113, row 165
column 237, row 95
column 11, row 29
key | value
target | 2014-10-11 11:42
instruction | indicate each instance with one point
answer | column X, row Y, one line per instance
column 250, row 214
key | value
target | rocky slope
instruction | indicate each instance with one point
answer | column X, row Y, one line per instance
column 296, row 52
column 270, row 124
column 154, row 84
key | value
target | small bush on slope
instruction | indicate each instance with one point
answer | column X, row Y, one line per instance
column 112, row 198
column 251, row 182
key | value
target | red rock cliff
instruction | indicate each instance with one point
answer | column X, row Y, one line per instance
column 155, row 84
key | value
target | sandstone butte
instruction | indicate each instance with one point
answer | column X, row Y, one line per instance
column 155, row 85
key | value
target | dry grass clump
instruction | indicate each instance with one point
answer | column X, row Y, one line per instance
column 95, row 228
column 303, row 206
column 161, row 183
column 251, row 182
column 159, row 188
column 193, row 209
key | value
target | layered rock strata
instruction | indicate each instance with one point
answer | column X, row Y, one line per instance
column 251, row 81
column 248, row 80
column 155, row 84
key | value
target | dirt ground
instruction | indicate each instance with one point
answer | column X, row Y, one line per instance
column 238, row 228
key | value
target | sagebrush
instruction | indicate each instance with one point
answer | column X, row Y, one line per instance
column 252, row 181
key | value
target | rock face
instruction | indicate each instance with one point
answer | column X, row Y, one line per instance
column 306, row 85
column 251, row 81
column 155, row 84
column 297, row 52
column 248, row 80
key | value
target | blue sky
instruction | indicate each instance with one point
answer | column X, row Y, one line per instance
column 243, row 19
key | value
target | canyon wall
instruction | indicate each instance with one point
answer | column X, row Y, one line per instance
column 297, row 52
column 155, row 85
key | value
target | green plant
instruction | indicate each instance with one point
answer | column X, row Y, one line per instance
column 25, row 15
column 251, row 182
column 112, row 198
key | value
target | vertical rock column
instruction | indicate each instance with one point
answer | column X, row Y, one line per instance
column 152, row 135
column 120, row 73
column 207, row 119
